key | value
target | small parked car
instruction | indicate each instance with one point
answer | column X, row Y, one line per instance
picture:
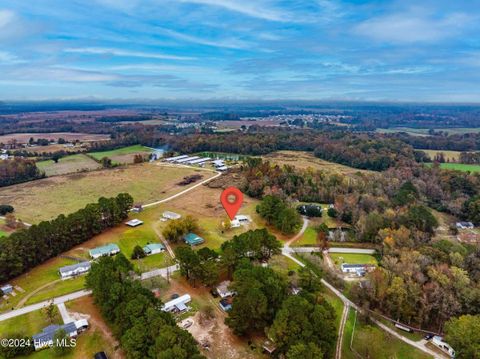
column 187, row 324
column 429, row 336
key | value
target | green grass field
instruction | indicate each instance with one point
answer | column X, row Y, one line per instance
column 458, row 167
column 352, row 258
column 146, row 182
column 68, row 164
column 28, row 324
column 37, row 278
column 374, row 342
column 308, row 239
column 424, row 131
column 122, row 155
column 3, row 234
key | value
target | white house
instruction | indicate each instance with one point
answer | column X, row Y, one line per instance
column 74, row 269
column 465, row 225
column 358, row 269
column 240, row 220
column 438, row 341
column 223, row 291
column 177, row 305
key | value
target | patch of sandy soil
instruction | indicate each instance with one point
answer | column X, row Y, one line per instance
column 223, row 344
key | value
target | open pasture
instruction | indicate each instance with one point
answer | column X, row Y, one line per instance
column 146, row 182
column 68, row 164
column 69, row 136
column 122, row 155
column 304, row 160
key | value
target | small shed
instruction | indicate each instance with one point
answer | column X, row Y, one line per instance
column 134, row 223
column 192, row 239
column 7, row 289
column 153, row 248
column 223, row 291
column 171, row 215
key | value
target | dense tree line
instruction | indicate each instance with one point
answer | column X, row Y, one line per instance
column 29, row 247
column 278, row 213
column 18, row 170
column 134, row 314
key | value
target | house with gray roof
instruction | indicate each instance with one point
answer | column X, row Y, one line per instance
column 74, row 269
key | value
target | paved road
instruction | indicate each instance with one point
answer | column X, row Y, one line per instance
column 287, row 252
column 164, row 272
column 333, row 250
column 299, row 234
column 37, row 306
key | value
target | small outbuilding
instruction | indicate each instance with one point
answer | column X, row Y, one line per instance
column 153, row 248
column 107, row 250
column 134, row 223
column 171, row 215
column 7, row 289
column 192, row 239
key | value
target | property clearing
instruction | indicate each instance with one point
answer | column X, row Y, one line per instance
column 69, row 136
column 352, row 258
column 449, row 155
column 304, row 160
column 68, row 164
column 122, row 155
column 146, row 182
column 458, row 167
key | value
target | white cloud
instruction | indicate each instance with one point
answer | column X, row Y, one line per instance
column 7, row 58
column 412, row 27
column 231, row 43
column 125, row 53
column 6, row 18
column 250, row 8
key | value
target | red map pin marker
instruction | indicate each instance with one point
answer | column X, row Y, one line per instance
column 231, row 206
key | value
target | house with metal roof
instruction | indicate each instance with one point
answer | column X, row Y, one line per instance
column 193, row 239
column 358, row 269
column 74, row 269
column 223, row 291
column 7, row 289
column 134, row 223
column 45, row 338
column 107, row 250
column 153, row 248
column 177, row 305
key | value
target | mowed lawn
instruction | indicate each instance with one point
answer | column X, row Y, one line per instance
column 68, row 164
column 122, row 155
column 459, row 167
column 28, row 324
column 379, row 344
column 47, row 198
column 42, row 282
column 352, row 258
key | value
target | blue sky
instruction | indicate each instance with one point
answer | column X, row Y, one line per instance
column 240, row 49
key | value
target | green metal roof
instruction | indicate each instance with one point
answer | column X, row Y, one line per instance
column 104, row 249
column 153, row 246
column 193, row 239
